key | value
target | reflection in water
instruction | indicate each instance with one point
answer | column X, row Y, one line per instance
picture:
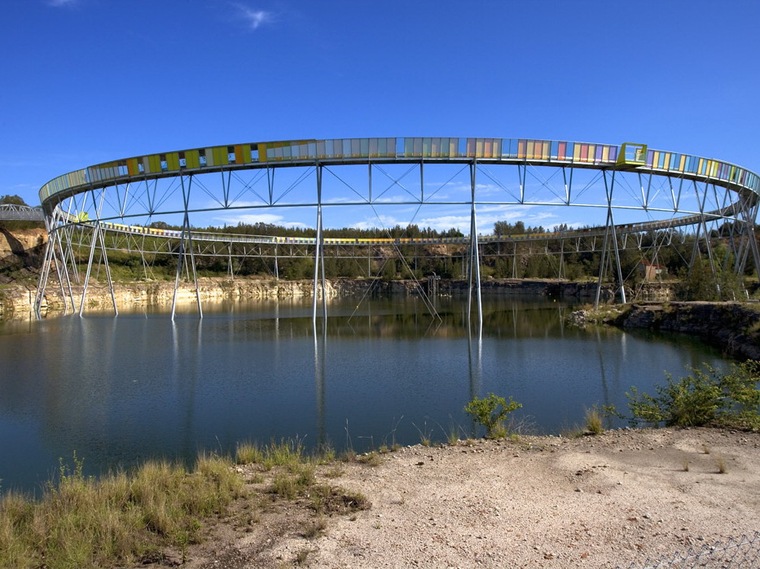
column 319, row 382
column 120, row 390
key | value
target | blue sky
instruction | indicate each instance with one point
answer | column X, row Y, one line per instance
column 85, row 81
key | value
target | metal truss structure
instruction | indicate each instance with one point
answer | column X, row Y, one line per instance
column 627, row 191
column 14, row 212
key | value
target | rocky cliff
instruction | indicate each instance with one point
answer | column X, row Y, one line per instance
column 733, row 327
column 21, row 250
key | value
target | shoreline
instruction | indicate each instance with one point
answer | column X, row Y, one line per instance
column 624, row 498
column 732, row 327
column 607, row 500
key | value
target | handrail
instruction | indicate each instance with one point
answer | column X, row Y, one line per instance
column 596, row 231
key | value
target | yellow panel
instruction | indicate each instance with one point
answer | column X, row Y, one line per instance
column 132, row 167
column 577, row 152
column 529, row 150
column 220, row 155
column 172, row 160
column 154, row 163
column 243, row 153
column 192, row 159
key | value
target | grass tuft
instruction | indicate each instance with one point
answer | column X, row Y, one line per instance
column 248, row 453
column 115, row 520
column 594, row 421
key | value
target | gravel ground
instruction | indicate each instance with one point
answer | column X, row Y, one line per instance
column 595, row 501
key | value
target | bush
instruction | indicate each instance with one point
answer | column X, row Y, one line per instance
column 490, row 412
column 704, row 398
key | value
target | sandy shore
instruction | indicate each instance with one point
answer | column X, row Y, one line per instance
column 604, row 501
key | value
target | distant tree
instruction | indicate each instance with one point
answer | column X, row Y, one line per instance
column 12, row 200
column 698, row 283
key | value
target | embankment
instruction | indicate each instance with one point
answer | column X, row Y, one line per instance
column 731, row 326
column 17, row 299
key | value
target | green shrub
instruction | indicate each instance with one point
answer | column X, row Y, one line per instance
column 704, row 398
column 491, row 412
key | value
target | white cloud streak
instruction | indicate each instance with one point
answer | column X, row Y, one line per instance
column 253, row 218
column 62, row 3
column 253, row 19
column 486, row 217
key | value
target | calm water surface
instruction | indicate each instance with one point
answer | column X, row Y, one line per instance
column 120, row 390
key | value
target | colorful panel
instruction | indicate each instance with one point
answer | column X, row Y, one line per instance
column 132, row 167
column 154, row 164
column 219, row 154
column 554, row 150
column 172, row 161
column 192, row 159
column 242, row 154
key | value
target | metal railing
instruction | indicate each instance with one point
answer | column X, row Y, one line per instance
column 735, row 553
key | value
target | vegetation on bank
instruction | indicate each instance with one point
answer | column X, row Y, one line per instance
column 122, row 519
column 491, row 412
column 81, row 522
column 706, row 397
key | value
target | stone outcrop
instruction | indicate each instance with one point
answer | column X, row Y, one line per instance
column 731, row 326
column 21, row 250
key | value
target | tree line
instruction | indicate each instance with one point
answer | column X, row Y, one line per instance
column 549, row 258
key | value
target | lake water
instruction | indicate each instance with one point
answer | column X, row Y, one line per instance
column 121, row 390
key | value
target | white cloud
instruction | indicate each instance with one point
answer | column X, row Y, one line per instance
column 252, row 218
column 456, row 218
column 253, row 19
column 62, row 3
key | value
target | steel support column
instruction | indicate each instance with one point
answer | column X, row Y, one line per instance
column 609, row 234
column 97, row 235
column 185, row 243
column 474, row 272
column 319, row 258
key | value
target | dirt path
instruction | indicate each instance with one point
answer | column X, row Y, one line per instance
column 603, row 501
